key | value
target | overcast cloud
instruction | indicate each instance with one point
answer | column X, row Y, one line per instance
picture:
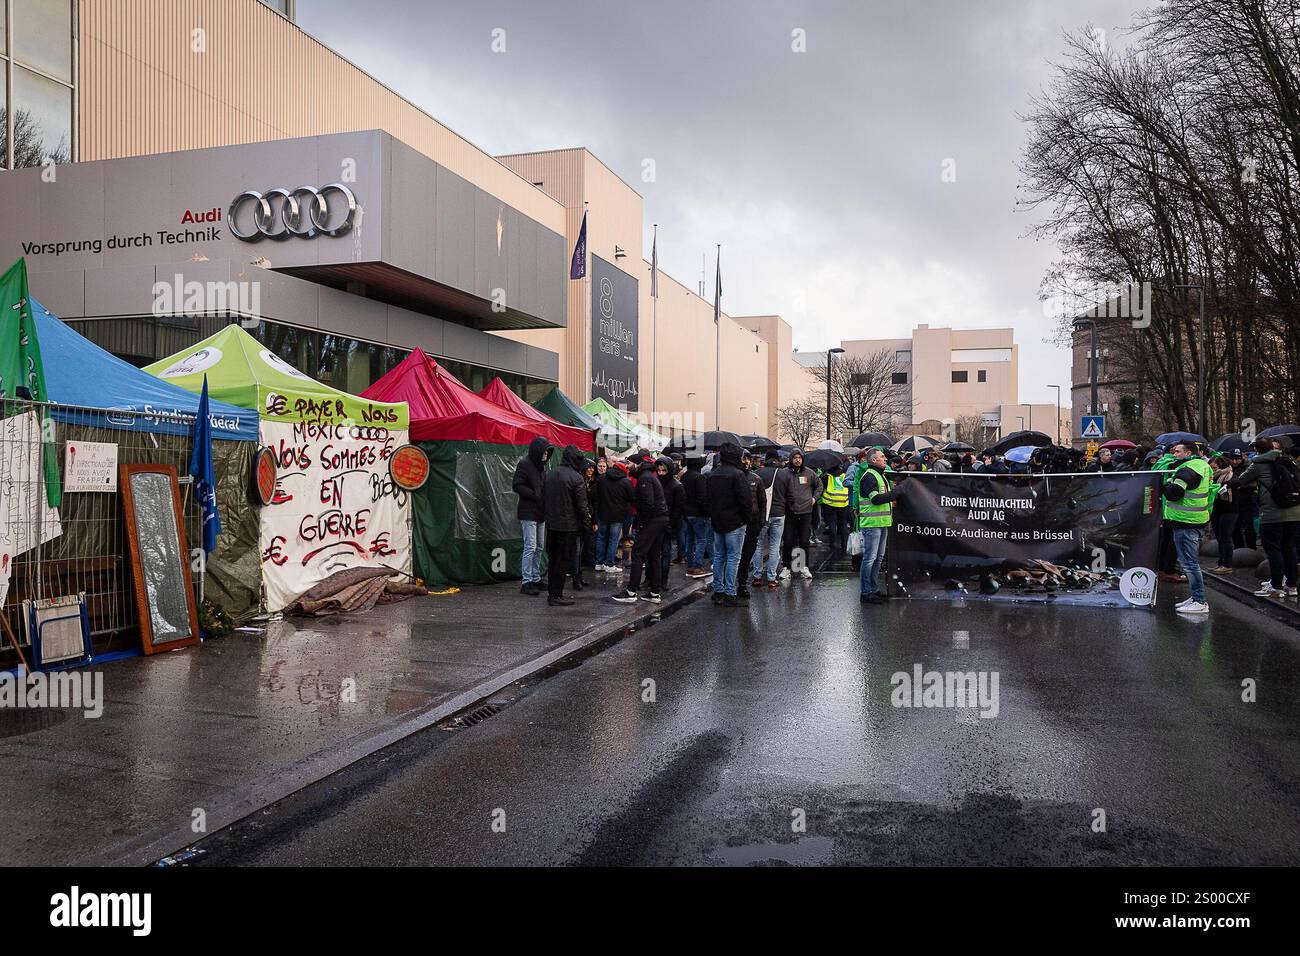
column 819, row 172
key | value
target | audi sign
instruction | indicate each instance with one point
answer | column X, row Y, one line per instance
column 305, row 212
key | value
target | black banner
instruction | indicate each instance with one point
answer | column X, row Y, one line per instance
column 614, row 307
column 1026, row 537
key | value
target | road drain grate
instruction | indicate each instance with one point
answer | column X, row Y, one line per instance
column 477, row 715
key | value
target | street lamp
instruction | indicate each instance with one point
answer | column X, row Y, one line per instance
column 829, row 353
column 1058, row 412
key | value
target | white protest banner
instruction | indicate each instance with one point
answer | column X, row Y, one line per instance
column 25, row 517
column 335, row 505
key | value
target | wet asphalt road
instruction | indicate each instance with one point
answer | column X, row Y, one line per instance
column 782, row 712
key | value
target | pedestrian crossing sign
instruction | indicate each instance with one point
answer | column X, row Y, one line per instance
column 1094, row 426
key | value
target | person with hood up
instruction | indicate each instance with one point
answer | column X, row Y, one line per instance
column 767, row 554
column 530, row 475
column 754, row 527
column 584, row 548
column 730, row 501
column 651, row 524
column 675, row 497
column 697, row 516
column 613, row 509
column 799, row 487
column 567, row 513
column 1275, row 475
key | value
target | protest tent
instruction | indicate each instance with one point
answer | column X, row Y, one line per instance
column 466, row 529
column 566, row 411
column 498, row 393
column 620, row 432
column 335, row 506
column 100, row 398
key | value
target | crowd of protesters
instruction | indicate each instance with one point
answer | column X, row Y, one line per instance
column 749, row 519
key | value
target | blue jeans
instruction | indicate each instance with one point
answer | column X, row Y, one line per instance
column 768, row 552
column 608, row 536
column 697, row 529
column 1187, row 542
column 873, row 558
column 726, row 560
column 530, row 562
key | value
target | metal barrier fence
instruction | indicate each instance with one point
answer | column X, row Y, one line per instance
column 80, row 547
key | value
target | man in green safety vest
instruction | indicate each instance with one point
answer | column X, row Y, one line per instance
column 1189, row 490
column 875, row 495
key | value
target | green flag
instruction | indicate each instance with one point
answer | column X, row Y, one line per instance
column 21, row 373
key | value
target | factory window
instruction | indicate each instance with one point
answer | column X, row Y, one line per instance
column 903, row 355
column 900, row 378
column 36, row 108
column 982, row 375
column 961, row 376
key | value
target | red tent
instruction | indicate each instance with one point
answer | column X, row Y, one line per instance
column 498, row 393
column 442, row 409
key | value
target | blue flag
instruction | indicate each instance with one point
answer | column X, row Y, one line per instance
column 578, row 267
column 201, row 470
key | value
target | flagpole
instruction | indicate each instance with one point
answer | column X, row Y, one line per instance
column 586, row 282
column 654, row 323
column 717, row 343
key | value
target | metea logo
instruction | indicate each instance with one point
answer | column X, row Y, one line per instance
column 1138, row 586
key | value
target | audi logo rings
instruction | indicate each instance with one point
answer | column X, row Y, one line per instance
column 281, row 213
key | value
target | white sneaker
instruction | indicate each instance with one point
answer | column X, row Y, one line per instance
column 601, row 568
column 1196, row 607
column 807, row 574
column 1290, row 592
column 785, row 573
column 1183, row 603
column 1268, row 591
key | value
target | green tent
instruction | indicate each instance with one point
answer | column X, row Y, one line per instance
column 564, row 409
column 335, row 505
column 620, row 432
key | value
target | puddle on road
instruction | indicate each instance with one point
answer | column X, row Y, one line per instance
column 806, row 851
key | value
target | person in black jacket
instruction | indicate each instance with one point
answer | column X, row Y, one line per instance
column 584, row 548
column 697, row 516
column 651, row 523
column 675, row 497
column 613, row 508
column 530, row 474
column 753, row 528
column 567, row 513
column 730, row 500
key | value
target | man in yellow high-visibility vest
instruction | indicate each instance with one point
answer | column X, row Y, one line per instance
column 835, row 510
column 876, row 495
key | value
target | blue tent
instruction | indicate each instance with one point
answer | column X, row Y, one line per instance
column 79, row 372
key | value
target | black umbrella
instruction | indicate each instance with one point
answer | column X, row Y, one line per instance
column 1018, row 439
column 1281, row 431
column 715, row 440
column 758, row 442
column 1173, row 438
column 823, row 459
column 957, row 447
column 1229, row 443
column 869, row 439
column 914, row 443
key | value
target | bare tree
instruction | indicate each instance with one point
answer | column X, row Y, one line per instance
column 800, row 419
column 1177, row 162
column 30, row 143
column 864, row 394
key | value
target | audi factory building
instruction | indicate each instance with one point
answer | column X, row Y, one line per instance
column 340, row 252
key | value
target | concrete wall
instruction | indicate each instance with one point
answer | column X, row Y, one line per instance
column 144, row 89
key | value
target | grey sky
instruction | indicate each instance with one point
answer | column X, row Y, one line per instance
column 819, row 172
